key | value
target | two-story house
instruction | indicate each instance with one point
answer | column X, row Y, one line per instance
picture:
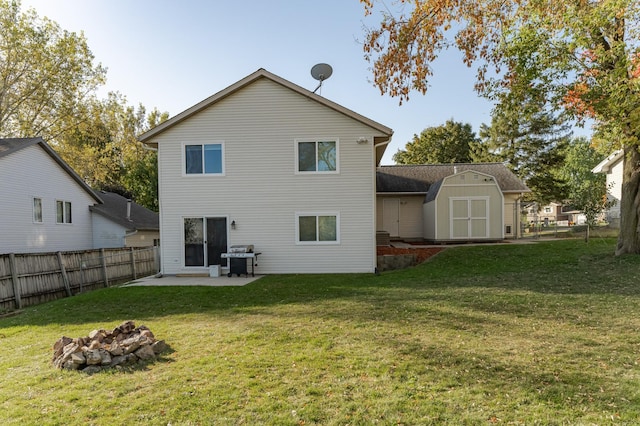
column 268, row 163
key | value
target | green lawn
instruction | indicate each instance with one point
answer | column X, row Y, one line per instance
column 545, row 333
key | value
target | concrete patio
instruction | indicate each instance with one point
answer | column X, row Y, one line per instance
column 185, row 280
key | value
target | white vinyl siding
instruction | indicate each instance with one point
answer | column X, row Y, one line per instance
column 614, row 185
column 34, row 172
column 261, row 190
column 106, row 233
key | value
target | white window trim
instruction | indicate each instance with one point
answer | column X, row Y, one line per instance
column 203, row 174
column 64, row 210
column 296, row 165
column 316, row 214
column 33, row 207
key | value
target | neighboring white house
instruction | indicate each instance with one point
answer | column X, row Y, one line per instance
column 268, row 163
column 44, row 203
column 612, row 166
column 119, row 222
column 449, row 202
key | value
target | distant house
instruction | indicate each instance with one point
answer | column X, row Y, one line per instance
column 119, row 222
column 449, row 202
column 268, row 163
column 612, row 166
column 44, row 203
column 554, row 214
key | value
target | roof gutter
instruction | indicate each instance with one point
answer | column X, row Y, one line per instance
column 380, row 142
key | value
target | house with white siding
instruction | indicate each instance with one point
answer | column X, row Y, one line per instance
column 612, row 167
column 268, row 163
column 44, row 203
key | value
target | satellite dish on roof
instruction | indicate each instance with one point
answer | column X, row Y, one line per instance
column 321, row 72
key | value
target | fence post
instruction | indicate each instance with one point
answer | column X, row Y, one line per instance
column 133, row 264
column 81, row 272
column 65, row 278
column 14, row 281
column 104, row 268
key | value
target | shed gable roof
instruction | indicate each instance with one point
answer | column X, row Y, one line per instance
column 434, row 189
column 11, row 145
column 114, row 208
column 421, row 177
column 259, row 74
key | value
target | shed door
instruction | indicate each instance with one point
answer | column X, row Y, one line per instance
column 469, row 217
column 391, row 216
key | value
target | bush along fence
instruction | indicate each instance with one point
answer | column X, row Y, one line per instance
column 33, row 278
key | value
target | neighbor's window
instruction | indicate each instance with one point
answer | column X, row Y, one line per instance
column 317, row 156
column 37, row 210
column 547, row 209
column 320, row 228
column 203, row 159
column 63, row 212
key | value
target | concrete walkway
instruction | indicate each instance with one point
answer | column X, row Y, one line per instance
column 172, row 280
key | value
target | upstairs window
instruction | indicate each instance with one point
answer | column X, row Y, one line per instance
column 37, row 210
column 204, row 159
column 317, row 156
column 63, row 211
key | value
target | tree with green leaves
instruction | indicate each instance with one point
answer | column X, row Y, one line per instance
column 46, row 74
column 586, row 191
column 530, row 141
column 582, row 57
column 449, row 143
column 48, row 83
column 104, row 150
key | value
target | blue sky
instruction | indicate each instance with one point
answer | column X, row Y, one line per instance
column 173, row 54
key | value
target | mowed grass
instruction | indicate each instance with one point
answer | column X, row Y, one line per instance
column 545, row 333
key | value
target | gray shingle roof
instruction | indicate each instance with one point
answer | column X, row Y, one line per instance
column 420, row 178
column 114, row 208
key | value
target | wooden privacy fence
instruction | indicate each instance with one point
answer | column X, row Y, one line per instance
column 29, row 279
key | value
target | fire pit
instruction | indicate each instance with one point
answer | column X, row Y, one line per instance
column 124, row 345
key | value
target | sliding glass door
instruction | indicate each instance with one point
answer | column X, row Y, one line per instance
column 205, row 239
